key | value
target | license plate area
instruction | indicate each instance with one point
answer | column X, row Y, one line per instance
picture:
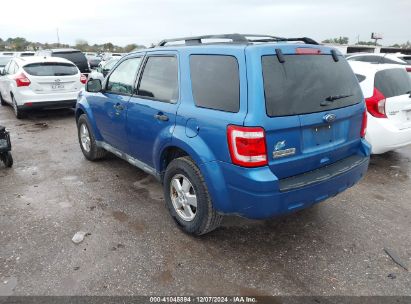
column 323, row 135
column 57, row 86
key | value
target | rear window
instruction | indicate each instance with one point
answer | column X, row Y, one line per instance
column 51, row 69
column 303, row 83
column 215, row 82
column 393, row 82
column 75, row 57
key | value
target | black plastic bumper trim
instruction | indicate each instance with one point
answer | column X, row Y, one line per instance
column 322, row 174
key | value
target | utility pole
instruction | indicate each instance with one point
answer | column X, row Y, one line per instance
column 58, row 37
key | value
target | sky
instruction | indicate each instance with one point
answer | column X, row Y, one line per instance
column 124, row 22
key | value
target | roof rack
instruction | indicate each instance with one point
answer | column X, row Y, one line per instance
column 237, row 38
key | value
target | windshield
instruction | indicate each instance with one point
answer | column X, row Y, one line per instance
column 51, row 69
column 307, row 84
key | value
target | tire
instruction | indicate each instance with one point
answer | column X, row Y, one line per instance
column 8, row 160
column 205, row 217
column 93, row 152
column 18, row 112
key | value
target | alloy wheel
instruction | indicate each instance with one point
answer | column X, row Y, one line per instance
column 183, row 197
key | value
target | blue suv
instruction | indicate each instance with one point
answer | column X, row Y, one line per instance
column 256, row 126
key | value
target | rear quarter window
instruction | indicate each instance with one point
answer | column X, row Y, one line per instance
column 393, row 82
column 360, row 77
column 303, row 83
column 407, row 59
column 215, row 82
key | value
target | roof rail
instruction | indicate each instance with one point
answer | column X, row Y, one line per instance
column 236, row 38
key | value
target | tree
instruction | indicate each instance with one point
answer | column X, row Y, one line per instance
column 17, row 44
column 130, row 47
column 340, row 40
column 108, row 46
column 82, row 45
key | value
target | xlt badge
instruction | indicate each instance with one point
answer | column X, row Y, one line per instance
column 279, row 150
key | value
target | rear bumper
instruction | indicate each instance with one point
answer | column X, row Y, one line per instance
column 27, row 99
column 256, row 193
column 58, row 104
column 384, row 136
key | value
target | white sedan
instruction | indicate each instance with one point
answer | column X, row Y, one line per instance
column 387, row 92
column 29, row 83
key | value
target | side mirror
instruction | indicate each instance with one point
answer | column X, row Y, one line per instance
column 94, row 86
column 2, row 72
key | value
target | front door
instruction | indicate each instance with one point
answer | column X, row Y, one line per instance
column 110, row 106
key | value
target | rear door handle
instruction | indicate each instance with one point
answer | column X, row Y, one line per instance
column 118, row 107
column 161, row 116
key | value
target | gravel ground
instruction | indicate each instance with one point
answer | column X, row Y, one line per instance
column 134, row 248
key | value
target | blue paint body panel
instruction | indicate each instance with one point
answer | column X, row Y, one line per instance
column 202, row 134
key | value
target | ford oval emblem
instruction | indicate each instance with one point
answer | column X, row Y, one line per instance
column 329, row 117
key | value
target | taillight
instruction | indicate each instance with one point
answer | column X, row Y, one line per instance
column 22, row 80
column 364, row 124
column 247, row 146
column 307, row 51
column 83, row 79
column 376, row 104
column 408, row 70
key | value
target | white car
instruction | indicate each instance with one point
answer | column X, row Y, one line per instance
column 39, row 83
column 387, row 92
column 24, row 54
column 382, row 58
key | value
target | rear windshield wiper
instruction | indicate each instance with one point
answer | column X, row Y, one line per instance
column 332, row 98
column 335, row 97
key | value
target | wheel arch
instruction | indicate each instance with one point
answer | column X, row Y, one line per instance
column 83, row 107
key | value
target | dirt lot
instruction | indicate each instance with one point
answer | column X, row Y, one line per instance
column 134, row 248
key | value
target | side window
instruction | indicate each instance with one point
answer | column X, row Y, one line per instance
column 121, row 81
column 391, row 61
column 160, row 79
column 7, row 67
column 215, row 82
column 356, row 58
column 12, row 68
column 16, row 68
column 372, row 59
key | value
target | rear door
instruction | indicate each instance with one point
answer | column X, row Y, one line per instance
column 53, row 77
column 395, row 85
column 6, row 81
column 314, row 109
column 152, row 110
